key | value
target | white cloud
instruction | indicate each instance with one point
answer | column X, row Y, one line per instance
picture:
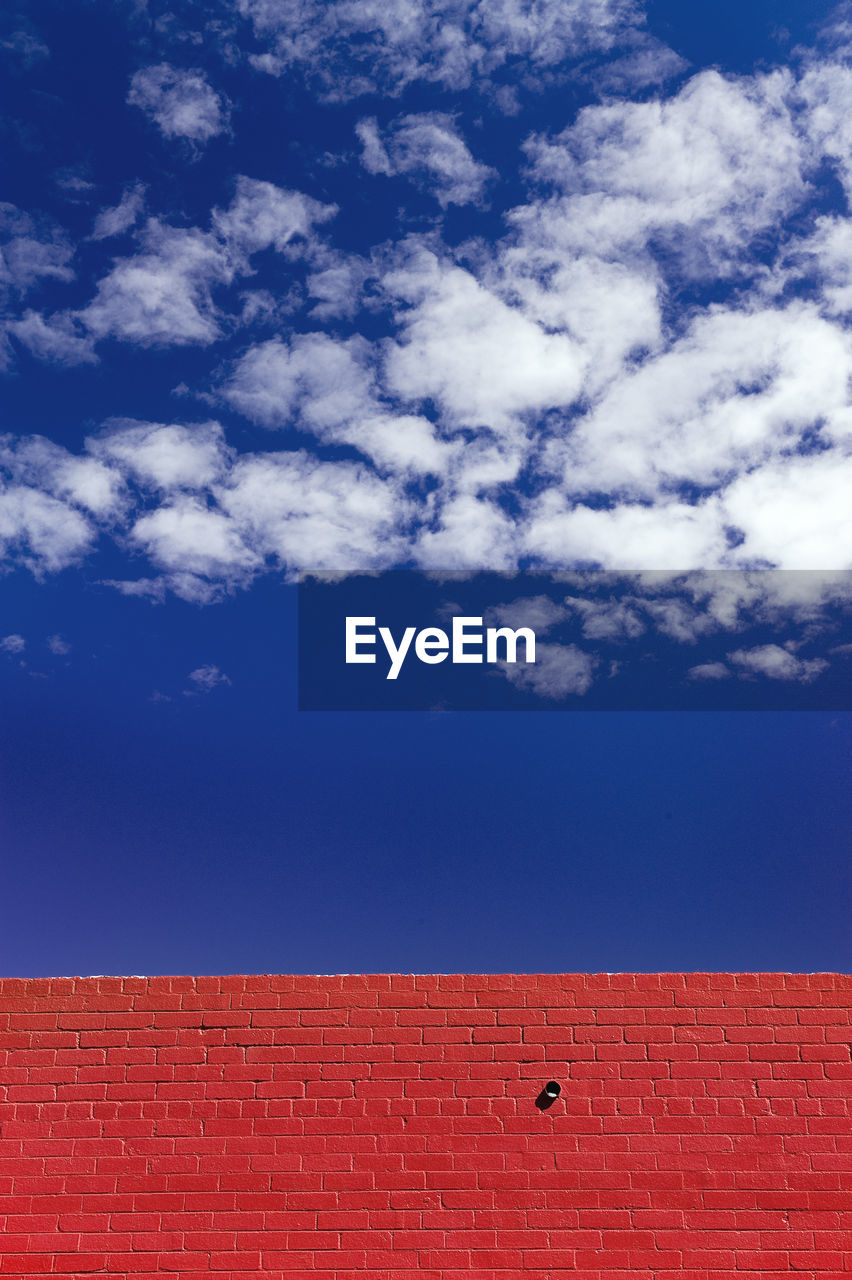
column 665, row 536
column 28, row 48
column 546, row 33
column 338, row 285
column 41, row 532
column 352, row 49
column 484, row 362
column 206, row 678
column 649, row 62
column 163, row 295
column 794, row 514
column 263, row 216
column 187, row 536
column 13, row 644
column 709, row 671
column 205, row 518
column 180, row 102
column 31, row 251
column 539, row 612
column 689, row 606
column 58, row 339
column 703, row 171
column 777, row 664
column 73, row 183
column 164, row 457
column 154, row 590
column 403, row 443
column 58, row 646
column 826, row 89
column 738, row 390
column 607, row 619
column 680, row 620
column 559, row 672
column 309, row 514
column 262, row 308
column 327, row 381
column 611, row 309
column 327, row 387
column 467, row 532
column 824, row 258
column 121, row 217
column 42, row 465
column 428, row 149
column 566, row 395
column 210, row 519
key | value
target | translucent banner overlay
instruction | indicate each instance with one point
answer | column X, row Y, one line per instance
column 749, row 640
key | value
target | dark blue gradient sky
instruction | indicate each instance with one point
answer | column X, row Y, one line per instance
column 229, row 833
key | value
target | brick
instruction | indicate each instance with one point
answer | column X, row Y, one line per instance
column 385, row 1125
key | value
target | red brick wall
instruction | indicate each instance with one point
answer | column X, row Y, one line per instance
column 331, row 1126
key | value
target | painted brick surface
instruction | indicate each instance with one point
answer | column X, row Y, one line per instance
column 387, row 1125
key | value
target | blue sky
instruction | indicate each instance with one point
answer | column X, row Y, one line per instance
column 429, row 284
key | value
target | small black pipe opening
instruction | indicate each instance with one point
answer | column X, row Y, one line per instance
column 548, row 1095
